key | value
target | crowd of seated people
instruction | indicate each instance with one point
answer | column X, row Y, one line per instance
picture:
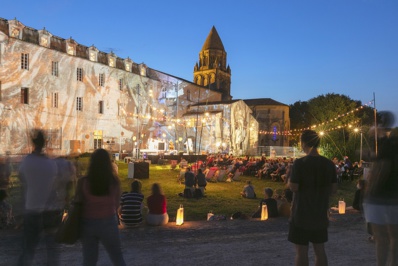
column 263, row 168
column 347, row 171
column 277, row 169
column 226, row 167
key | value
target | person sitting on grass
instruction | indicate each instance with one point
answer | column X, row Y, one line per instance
column 157, row 206
column 200, row 181
column 131, row 204
column 285, row 203
column 248, row 191
column 190, row 180
column 271, row 203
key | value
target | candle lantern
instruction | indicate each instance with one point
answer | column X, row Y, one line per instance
column 341, row 206
column 209, row 215
column 264, row 212
column 180, row 215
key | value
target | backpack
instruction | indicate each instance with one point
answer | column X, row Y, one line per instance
column 187, row 193
column 198, row 193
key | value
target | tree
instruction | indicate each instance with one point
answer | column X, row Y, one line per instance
column 336, row 116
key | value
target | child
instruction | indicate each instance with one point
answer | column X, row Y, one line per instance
column 271, row 203
column 248, row 191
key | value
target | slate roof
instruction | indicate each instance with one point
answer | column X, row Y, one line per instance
column 217, row 102
column 262, row 101
column 213, row 41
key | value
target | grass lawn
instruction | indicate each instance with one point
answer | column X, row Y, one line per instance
column 221, row 198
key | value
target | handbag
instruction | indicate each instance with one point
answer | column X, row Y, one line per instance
column 69, row 230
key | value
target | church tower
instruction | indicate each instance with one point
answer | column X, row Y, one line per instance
column 212, row 70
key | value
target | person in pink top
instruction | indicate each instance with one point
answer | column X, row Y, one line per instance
column 157, row 206
column 100, row 196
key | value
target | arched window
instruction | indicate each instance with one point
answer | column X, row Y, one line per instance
column 275, row 132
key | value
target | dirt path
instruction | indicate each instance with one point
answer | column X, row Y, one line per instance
column 237, row 242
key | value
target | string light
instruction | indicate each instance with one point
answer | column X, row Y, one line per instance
column 161, row 117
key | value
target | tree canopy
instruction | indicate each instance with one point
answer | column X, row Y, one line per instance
column 339, row 120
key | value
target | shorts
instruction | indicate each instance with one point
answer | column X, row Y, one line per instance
column 300, row 236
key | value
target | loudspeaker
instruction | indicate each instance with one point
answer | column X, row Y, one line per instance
column 161, row 146
column 141, row 170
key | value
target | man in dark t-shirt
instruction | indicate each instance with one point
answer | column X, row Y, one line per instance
column 313, row 180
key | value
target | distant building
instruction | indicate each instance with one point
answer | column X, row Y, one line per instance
column 86, row 99
column 212, row 70
column 273, row 119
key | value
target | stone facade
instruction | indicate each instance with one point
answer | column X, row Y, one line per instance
column 213, row 71
column 229, row 125
column 273, row 119
column 86, row 99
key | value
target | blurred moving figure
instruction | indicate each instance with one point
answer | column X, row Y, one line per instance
column 381, row 201
column 5, row 172
column 38, row 174
column 6, row 217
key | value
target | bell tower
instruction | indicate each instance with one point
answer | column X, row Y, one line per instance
column 212, row 70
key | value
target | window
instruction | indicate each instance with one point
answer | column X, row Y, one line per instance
column 111, row 62
column 25, row 61
column 93, row 55
column 54, row 99
column 120, row 84
column 97, row 139
column 97, row 144
column 70, row 50
column 25, row 95
column 15, row 33
column 54, row 138
column 101, row 79
column 79, row 103
column 54, row 68
column 80, row 74
column 274, row 133
column 101, row 107
column 188, row 95
column 44, row 41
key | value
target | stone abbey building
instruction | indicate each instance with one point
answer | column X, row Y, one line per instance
column 85, row 99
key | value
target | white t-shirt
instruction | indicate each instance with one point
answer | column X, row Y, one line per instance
column 38, row 173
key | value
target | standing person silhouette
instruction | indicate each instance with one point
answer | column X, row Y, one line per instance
column 100, row 197
column 38, row 173
column 313, row 180
column 380, row 203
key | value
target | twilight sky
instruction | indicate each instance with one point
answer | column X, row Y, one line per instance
column 287, row 50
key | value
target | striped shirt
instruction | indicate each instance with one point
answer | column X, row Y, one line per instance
column 131, row 204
